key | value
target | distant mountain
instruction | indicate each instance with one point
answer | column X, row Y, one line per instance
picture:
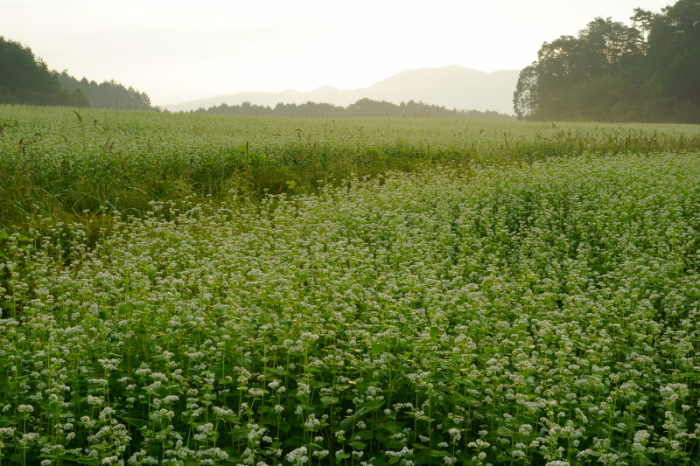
column 450, row 86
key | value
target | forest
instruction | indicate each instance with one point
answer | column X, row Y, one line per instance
column 609, row 72
column 108, row 94
column 361, row 108
column 612, row 72
column 27, row 80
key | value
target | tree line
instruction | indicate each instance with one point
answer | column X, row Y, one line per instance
column 108, row 94
column 645, row 72
column 26, row 79
column 361, row 108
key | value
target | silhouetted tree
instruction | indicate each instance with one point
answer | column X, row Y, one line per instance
column 614, row 72
column 361, row 108
column 109, row 94
column 25, row 79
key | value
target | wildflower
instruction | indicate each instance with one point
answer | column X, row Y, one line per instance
column 298, row 456
column 94, row 400
column 311, row 422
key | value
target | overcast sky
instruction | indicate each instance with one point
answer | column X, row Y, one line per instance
column 177, row 51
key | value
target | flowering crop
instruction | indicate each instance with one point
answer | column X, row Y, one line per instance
column 75, row 166
column 543, row 315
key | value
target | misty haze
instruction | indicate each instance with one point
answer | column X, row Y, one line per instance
column 450, row 87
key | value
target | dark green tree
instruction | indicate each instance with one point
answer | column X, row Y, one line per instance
column 642, row 21
column 25, row 79
column 361, row 108
column 614, row 72
column 525, row 99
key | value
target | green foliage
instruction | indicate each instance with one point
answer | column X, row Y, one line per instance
column 545, row 314
column 605, row 98
column 25, row 79
column 77, row 166
column 613, row 72
column 108, row 94
column 361, row 108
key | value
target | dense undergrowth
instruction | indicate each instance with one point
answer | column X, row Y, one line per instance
column 544, row 314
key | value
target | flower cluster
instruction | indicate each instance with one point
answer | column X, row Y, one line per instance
column 546, row 314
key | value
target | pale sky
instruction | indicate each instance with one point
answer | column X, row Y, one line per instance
column 177, row 51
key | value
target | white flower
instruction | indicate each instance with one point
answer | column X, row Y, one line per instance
column 297, row 456
column 525, row 429
column 94, row 400
column 312, row 422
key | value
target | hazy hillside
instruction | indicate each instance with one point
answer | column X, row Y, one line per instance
column 450, row 86
column 26, row 80
column 614, row 72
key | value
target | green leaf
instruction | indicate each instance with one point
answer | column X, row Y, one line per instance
column 363, row 435
column 358, row 445
column 285, row 427
column 379, row 462
column 138, row 423
column 294, row 442
column 378, row 348
column 504, row 431
column 347, row 423
column 393, row 426
column 240, row 433
column 368, row 408
column 6, row 422
column 424, row 457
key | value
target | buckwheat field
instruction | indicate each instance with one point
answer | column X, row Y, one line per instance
column 193, row 290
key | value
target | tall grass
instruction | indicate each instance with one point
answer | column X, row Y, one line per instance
column 77, row 166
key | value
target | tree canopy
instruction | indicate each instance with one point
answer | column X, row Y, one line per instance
column 614, row 72
column 25, row 79
column 361, row 108
column 108, row 94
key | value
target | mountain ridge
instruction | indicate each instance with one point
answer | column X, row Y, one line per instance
column 450, row 86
